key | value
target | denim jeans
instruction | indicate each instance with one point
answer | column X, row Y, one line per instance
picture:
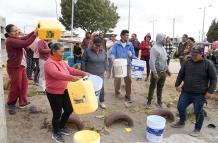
column 198, row 100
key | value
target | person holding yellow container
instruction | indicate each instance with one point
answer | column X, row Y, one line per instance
column 57, row 75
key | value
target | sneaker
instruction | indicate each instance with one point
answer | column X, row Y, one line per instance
column 11, row 109
column 58, row 138
column 25, row 106
column 148, row 105
column 117, row 94
column 66, row 131
column 178, row 125
column 195, row 133
column 102, row 105
column 159, row 105
column 128, row 100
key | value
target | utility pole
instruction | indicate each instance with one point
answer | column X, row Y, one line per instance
column 173, row 26
column 3, row 128
column 153, row 22
column 202, row 37
column 72, row 16
column 204, row 11
column 129, row 15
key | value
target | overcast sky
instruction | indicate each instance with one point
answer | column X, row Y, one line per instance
column 188, row 16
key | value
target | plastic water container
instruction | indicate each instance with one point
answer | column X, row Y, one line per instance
column 86, row 136
column 82, row 96
column 155, row 128
column 97, row 84
column 70, row 61
column 120, row 67
column 138, row 67
column 49, row 30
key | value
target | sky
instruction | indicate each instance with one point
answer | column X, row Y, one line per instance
column 188, row 17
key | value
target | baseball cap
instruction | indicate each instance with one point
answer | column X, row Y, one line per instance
column 197, row 49
column 97, row 41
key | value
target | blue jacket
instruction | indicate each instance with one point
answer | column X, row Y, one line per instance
column 118, row 51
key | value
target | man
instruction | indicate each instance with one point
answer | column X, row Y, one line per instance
column 169, row 49
column 199, row 81
column 123, row 49
column 215, row 54
column 101, row 36
column 86, row 41
column 159, row 70
column 181, row 48
column 109, row 45
column 94, row 61
column 189, row 44
column 135, row 44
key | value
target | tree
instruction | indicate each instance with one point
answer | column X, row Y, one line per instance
column 90, row 15
column 212, row 34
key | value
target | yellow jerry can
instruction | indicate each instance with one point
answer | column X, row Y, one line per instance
column 82, row 96
column 49, row 30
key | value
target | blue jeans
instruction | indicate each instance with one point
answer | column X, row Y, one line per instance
column 198, row 100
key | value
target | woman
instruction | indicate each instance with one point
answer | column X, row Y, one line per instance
column 77, row 53
column 16, row 66
column 94, row 61
column 44, row 52
column 145, row 52
column 57, row 75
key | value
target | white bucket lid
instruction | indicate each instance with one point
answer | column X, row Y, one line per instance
column 156, row 121
column 96, row 81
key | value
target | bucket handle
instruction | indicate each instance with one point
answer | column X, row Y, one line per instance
column 85, row 78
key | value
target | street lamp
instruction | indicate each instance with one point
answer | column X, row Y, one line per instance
column 129, row 15
column 153, row 21
column 204, row 8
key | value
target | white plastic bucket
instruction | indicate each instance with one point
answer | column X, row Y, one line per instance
column 155, row 128
column 120, row 67
column 97, row 84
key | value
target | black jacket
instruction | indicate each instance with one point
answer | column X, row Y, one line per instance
column 198, row 77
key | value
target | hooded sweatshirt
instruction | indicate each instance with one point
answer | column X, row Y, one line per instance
column 145, row 47
column 158, row 58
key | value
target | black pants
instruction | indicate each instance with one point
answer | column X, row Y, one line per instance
column 36, row 69
column 159, row 83
column 146, row 59
column 136, row 52
column 57, row 102
column 30, row 63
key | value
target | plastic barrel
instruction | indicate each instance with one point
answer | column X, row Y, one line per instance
column 120, row 67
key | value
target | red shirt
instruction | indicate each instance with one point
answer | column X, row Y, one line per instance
column 58, row 74
column 43, row 49
column 14, row 47
column 145, row 51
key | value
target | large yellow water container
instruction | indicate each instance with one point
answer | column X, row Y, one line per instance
column 82, row 96
column 49, row 30
column 86, row 136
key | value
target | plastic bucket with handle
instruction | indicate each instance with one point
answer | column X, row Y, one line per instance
column 155, row 128
column 97, row 82
column 120, row 67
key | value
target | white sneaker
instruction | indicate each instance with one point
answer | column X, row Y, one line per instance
column 102, row 105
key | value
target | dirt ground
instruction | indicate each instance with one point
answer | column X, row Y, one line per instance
column 24, row 127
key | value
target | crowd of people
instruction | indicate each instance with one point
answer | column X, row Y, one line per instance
column 96, row 56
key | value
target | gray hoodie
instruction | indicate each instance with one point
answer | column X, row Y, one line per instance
column 158, row 55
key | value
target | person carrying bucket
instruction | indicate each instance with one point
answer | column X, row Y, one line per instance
column 199, row 82
column 124, row 50
column 57, row 76
column 94, row 61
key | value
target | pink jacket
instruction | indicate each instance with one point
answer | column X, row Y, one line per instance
column 57, row 75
